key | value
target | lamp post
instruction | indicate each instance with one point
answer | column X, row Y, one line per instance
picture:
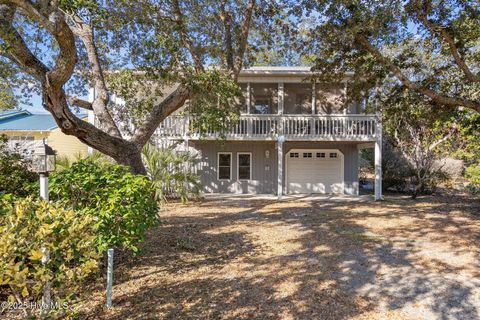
column 43, row 162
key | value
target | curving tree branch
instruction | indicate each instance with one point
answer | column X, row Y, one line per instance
column 441, row 99
column 446, row 37
column 85, row 32
column 184, row 35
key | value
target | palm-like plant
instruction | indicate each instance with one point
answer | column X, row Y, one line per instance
column 65, row 162
column 172, row 173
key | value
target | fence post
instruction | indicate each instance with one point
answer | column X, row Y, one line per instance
column 109, row 277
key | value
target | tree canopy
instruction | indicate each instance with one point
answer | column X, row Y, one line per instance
column 428, row 46
column 57, row 49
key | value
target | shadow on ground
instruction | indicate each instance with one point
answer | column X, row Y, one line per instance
column 318, row 259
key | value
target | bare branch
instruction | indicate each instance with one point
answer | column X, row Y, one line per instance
column 18, row 50
column 99, row 105
column 159, row 112
column 440, row 99
column 80, row 103
column 184, row 35
column 447, row 37
column 226, row 18
column 53, row 21
column 451, row 131
column 244, row 32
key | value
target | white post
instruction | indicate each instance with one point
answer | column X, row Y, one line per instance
column 280, row 97
column 248, row 97
column 46, row 298
column 378, row 160
column 280, row 141
column 314, row 97
column 109, row 277
column 44, row 186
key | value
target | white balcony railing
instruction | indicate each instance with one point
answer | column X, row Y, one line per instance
column 269, row 127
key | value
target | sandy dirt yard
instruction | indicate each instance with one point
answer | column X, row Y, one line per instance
column 303, row 258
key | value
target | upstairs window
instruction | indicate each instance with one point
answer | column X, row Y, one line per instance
column 224, row 166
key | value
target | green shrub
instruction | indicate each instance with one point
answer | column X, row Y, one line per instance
column 29, row 226
column 121, row 203
column 15, row 177
column 171, row 173
column 472, row 173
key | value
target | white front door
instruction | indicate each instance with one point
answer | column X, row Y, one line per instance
column 314, row 171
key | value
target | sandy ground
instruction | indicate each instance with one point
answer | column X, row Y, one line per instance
column 303, row 258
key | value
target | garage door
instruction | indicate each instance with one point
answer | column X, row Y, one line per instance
column 314, row 171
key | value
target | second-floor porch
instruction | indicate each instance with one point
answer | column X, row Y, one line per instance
column 270, row 127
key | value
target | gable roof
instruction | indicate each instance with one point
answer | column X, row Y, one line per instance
column 22, row 120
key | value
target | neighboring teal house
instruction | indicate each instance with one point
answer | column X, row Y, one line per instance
column 25, row 129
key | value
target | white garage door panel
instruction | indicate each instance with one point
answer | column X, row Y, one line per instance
column 315, row 175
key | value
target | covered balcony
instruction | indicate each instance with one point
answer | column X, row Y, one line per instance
column 269, row 127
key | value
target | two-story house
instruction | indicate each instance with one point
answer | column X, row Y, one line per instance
column 294, row 136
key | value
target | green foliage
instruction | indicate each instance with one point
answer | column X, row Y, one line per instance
column 122, row 204
column 420, row 131
column 28, row 229
column 15, row 176
column 467, row 143
column 214, row 102
column 64, row 162
column 396, row 171
column 351, row 36
column 472, row 173
column 171, row 172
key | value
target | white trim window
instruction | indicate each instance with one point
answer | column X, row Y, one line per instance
column 224, row 166
column 244, row 165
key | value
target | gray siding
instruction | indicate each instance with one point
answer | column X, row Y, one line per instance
column 262, row 179
column 264, row 170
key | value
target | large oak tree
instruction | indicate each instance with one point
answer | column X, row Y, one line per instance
column 431, row 47
column 57, row 49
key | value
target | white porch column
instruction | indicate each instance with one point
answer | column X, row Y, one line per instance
column 378, row 159
column 280, row 141
column 280, row 97
column 314, row 97
column 247, row 100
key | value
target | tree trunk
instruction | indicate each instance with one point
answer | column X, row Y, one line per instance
column 133, row 159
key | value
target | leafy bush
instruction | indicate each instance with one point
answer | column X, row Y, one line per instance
column 15, row 177
column 472, row 173
column 399, row 175
column 171, row 172
column 29, row 226
column 122, row 204
column 395, row 170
